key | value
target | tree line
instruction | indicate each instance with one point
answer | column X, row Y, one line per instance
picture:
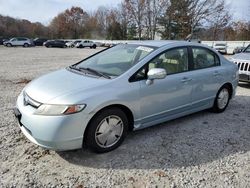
column 137, row 20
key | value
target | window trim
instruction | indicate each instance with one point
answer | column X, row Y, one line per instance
column 133, row 79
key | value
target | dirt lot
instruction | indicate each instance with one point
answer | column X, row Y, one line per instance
column 200, row 150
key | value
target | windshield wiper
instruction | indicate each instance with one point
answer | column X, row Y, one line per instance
column 98, row 73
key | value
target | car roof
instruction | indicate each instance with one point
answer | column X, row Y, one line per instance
column 161, row 43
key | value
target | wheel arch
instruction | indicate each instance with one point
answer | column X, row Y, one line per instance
column 124, row 108
column 230, row 87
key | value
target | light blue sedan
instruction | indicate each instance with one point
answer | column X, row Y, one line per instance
column 97, row 101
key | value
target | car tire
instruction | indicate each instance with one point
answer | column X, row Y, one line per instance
column 222, row 100
column 94, row 46
column 25, row 45
column 107, row 130
column 8, row 44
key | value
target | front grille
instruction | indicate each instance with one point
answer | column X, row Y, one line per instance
column 243, row 66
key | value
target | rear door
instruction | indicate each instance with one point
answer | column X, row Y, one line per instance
column 207, row 76
column 20, row 41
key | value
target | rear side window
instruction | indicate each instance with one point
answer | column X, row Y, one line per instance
column 203, row 58
column 21, row 39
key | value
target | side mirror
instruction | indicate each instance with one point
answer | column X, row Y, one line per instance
column 155, row 73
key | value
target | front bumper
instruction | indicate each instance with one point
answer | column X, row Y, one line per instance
column 51, row 132
column 244, row 77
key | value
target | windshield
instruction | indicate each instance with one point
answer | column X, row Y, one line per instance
column 116, row 60
column 247, row 50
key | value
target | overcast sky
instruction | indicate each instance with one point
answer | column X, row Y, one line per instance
column 44, row 10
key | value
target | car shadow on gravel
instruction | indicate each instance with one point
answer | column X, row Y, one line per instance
column 189, row 141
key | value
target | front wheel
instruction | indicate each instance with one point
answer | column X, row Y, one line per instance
column 222, row 100
column 107, row 130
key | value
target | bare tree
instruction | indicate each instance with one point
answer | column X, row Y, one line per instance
column 219, row 21
column 205, row 10
column 189, row 15
column 154, row 9
column 102, row 20
column 124, row 19
column 136, row 9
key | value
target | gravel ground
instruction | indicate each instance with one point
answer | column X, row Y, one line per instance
column 200, row 150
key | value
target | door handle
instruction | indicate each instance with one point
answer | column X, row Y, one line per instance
column 185, row 79
column 216, row 73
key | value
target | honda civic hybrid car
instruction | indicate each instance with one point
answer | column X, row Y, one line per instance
column 97, row 101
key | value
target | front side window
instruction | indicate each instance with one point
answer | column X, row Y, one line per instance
column 117, row 60
column 203, row 58
column 173, row 61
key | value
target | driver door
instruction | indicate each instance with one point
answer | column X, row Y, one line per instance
column 167, row 97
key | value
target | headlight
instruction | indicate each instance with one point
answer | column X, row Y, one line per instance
column 54, row 110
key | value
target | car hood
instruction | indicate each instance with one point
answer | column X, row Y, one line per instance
column 242, row 56
column 60, row 83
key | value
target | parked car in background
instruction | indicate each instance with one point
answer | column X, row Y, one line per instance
column 127, row 87
column 3, row 39
column 19, row 41
column 238, row 50
column 221, row 47
column 72, row 44
column 55, row 43
column 86, row 43
column 39, row 41
column 243, row 61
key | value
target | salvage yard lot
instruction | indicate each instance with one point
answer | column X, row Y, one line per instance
column 200, row 150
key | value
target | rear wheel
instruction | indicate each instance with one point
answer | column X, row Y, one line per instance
column 107, row 130
column 25, row 45
column 222, row 100
column 94, row 46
